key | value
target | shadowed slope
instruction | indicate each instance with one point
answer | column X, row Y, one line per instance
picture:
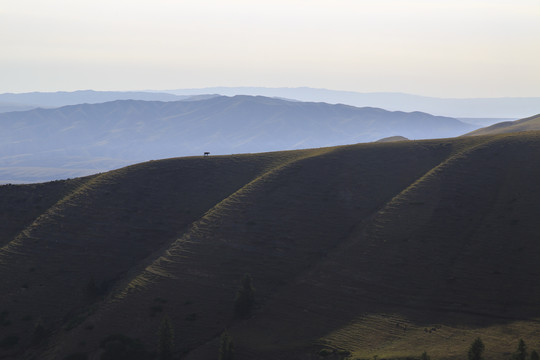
column 274, row 228
column 21, row 205
column 356, row 247
column 106, row 227
column 456, row 251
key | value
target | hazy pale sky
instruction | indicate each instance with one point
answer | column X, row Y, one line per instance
column 447, row 48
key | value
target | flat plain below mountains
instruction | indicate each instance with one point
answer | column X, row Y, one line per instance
column 76, row 140
column 381, row 249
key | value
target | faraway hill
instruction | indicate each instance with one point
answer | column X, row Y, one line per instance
column 481, row 111
column 380, row 249
column 76, row 140
column 501, row 107
column 527, row 124
column 27, row 101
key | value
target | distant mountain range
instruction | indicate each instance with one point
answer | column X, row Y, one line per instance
column 26, row 101
column 87, row 138
column 505, row 107
column 479, row 111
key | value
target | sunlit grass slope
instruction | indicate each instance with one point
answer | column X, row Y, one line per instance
column 384, row 249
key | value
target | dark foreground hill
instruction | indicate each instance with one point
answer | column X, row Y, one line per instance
column 527, row 124
column 382, row 249
column 46, row 144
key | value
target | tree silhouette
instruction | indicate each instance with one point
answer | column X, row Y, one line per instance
column 476, row 350
column 226, row 347
column 39, row 334
column 165, row 339
column 521, row 352
column 245, row 298
column 92, row 290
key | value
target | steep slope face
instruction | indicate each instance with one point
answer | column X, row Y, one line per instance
column 114, row 134
column 528, row 124
column 106, row 227
column 358, row 248
column 274, row 228
column 21, row 205
column 457, row 252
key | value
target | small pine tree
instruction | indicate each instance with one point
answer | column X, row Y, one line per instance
column 39, row 334
column 91, row 290
column 245, row 298
column 521, row 352
column 226, row 347
column 476, row 350
column 165, row 339
column 424, row 356
column 534, row 355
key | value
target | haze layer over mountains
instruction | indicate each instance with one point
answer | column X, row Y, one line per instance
column 76, row 140
column 500, row 108
column 504, row 107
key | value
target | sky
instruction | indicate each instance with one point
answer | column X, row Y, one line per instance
column 443, row 48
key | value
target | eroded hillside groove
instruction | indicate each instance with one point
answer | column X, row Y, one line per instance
column 200, row 229
column 240, row 235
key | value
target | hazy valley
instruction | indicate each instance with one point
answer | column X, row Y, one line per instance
column 83, row 139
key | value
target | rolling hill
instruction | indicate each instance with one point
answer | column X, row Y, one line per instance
column 527, row 124
column 10, row 106
column 393, row 138
column 77, row 140
column 23, row 101
column 386, row 249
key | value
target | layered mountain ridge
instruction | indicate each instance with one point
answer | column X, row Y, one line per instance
column 77, row 140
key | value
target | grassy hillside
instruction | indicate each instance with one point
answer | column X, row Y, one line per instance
column 528, row 124
column 384, row 249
